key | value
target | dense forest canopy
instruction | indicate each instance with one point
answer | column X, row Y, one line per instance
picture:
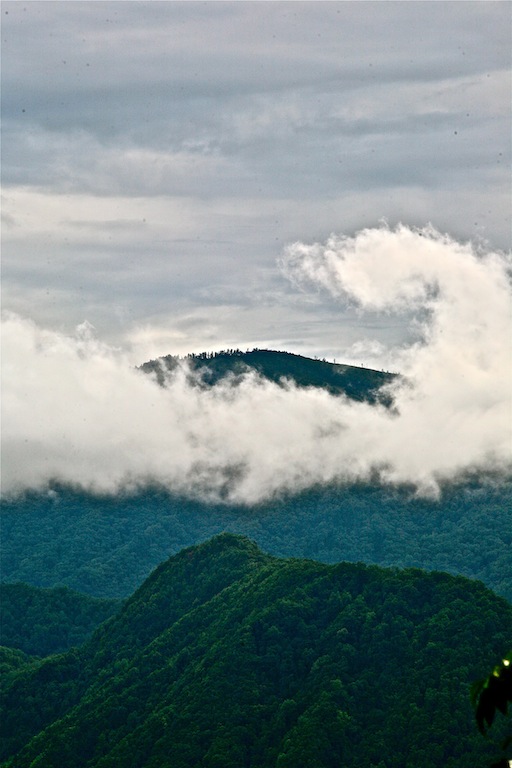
column 42, row 621
column 228, row 657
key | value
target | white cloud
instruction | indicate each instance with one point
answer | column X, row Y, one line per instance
column 75, row 410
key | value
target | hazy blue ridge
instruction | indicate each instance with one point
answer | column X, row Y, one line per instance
column 106, row 546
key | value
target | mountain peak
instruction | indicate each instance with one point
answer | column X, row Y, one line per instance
column 211, row 368
column 229, row 657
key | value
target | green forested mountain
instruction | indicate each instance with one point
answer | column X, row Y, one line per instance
column 106, row 546
column 356, row 382
column 43, row 621
column 226, row 657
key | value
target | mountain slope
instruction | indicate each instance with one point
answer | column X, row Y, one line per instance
column 355, row 382
column 43, row 621
column 229, row 657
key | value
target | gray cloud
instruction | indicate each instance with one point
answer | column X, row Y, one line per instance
column 156, row 157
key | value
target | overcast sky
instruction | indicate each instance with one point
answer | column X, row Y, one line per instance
column 158, row 158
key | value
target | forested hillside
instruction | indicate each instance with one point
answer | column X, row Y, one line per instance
column 43, row 621
column 227, row 657
column 355, row 382
column 106, row 546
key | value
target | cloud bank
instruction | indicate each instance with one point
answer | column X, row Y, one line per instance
column 76, row 411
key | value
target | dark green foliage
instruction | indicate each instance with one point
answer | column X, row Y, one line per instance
column 227, row 657
column 12, row 661
column 44, row 621
column 279, row 367
column 106, row 546
column 492, row 694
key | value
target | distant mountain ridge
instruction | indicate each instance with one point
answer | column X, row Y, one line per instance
column 226, row 657
column 106, row 546
column 357, row 383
